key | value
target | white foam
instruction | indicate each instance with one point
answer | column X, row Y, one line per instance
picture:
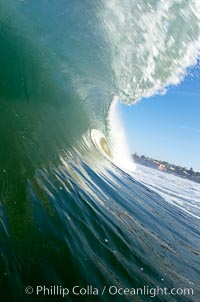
column 182, row 193
column 152, row 43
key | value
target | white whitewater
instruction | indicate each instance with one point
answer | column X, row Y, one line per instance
column 152, row 44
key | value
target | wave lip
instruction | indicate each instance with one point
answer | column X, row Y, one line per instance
column 152, row 44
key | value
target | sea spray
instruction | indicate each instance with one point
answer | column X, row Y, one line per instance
column 120, row 148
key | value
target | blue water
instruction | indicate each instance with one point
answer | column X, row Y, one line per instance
column 73, row 209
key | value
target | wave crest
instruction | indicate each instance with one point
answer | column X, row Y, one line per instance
column 152, row 44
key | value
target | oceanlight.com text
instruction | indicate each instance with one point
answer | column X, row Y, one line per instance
column 89, row 290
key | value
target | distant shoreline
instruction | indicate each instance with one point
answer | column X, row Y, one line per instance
column 167, row 167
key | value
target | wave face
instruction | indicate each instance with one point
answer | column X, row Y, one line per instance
column 69, row 213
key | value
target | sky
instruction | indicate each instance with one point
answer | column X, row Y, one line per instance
column 167, row 127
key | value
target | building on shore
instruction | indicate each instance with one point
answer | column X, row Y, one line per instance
column 167, row 167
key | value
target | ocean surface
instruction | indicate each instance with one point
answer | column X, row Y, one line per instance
column 75, row 211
